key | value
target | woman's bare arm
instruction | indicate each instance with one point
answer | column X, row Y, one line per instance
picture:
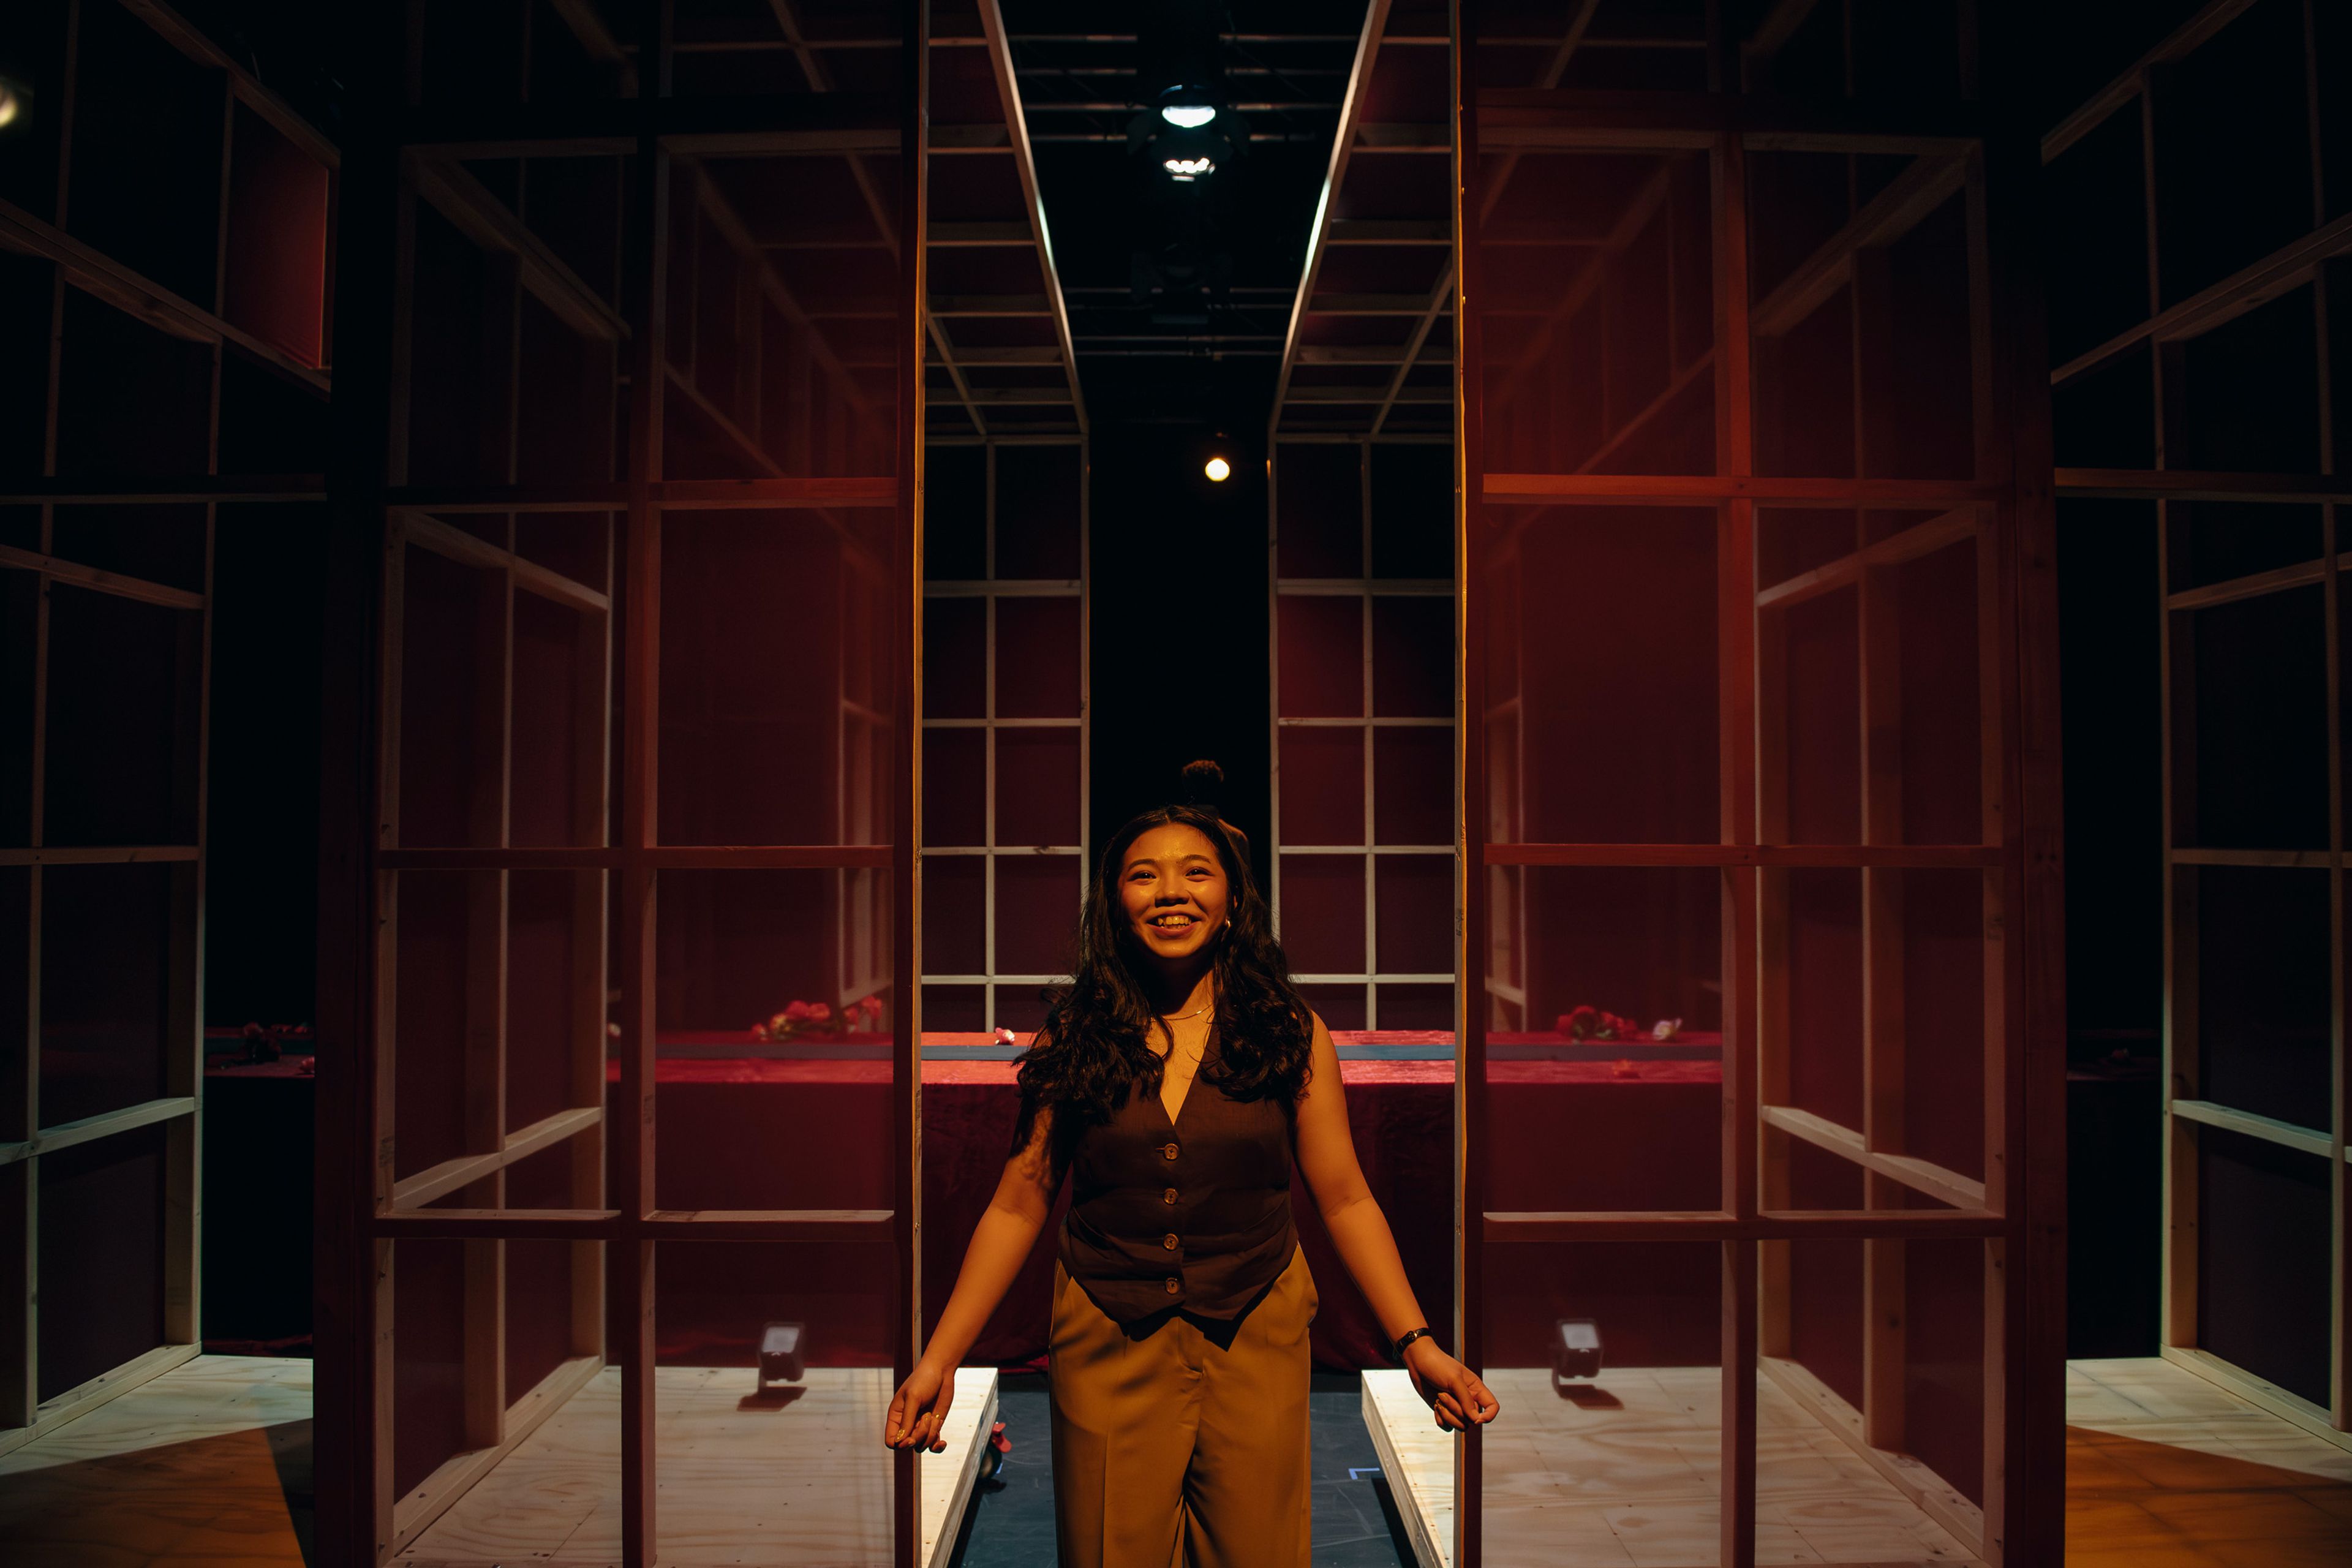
column 1326, row 1158
column 1000, row 1244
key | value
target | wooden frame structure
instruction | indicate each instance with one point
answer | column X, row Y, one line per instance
column 1350, row 998
column 2259, row 630
column 945, row 591
column 655, row 260
column 1712, row 435
column 105, row 560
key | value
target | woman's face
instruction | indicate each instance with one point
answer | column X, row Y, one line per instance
column 1174, row 891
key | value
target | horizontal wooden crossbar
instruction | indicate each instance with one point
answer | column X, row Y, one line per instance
column 1918, row 540
column 96, row 853
column 100, row 581
column 1783, row 1224
column 1923, row 857
column 775, row 124
column 772, row 493
column 1573, row 120
column 2267, row 860
column 65, row 1134
column 1920, row 1175
column 452, row 1175
column 2269, row 1129
column 1707, row 490
column 2255, row 284
column 611, row 1224
column 2202, row 484
column 181, row 490
column 660, row 857
column 442, row 539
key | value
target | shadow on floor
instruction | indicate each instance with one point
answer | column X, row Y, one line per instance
column 1011, row 1524
column 241, row 1498
column 2133, row 1503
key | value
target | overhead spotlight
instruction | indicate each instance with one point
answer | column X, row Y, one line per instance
column 1218, row 470
column 1188, row 154
column 13, row 100
column 1188, row 108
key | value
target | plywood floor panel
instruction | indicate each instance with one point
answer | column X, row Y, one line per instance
column 1625, row 1473
column 791, row 1474
column 194, row 1467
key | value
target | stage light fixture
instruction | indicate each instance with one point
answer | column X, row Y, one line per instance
column 1218, row 470
column 12, row 102
column 1189, row 156
column 1188, row 108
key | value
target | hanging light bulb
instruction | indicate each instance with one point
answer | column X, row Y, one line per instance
column 1218, row 470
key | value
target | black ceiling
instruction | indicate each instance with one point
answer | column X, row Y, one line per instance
column 1176, row 356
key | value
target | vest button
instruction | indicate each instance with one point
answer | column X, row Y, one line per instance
column 1168, row 1152
column 1168, row 1196
column 1168, row 1241
column 1174, row 1284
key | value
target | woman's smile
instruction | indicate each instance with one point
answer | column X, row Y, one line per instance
column 1174, row 890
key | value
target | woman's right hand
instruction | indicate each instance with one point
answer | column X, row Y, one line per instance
column 920, row 1409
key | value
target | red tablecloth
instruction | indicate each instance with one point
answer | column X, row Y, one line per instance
column 737, row 1134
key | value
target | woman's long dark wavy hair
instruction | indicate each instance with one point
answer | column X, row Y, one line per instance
column 1093, row 1052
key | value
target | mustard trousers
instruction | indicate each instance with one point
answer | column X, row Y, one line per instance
column 1184, row 1446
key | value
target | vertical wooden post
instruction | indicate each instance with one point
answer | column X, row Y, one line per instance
column 2025, row 1175
column 1471, row 953
column 1734, row 454
column 907, row 720
column 2340, row 913
column 647, row 236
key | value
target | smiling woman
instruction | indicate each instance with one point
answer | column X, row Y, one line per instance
column 1176, row 1080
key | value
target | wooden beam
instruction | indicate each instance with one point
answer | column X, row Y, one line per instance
column 81, row 1400
column 2246, row 1124
column 106, row 1124
column 2183, row 40
column 1706, row 490
column 1934, row 1496
column 979, row 236
column 1388, row 231
column 1824, row 1224
column 468, row 204
column 1343, row 141
column 994, row 305
column 456, row 545
column 2288, row 267
column 451, row 1176
column 416, row 1510
column 2183, row 484
column 1919, row 538
column 1016, row 128
column 1909, row 197
column 1920, row 1175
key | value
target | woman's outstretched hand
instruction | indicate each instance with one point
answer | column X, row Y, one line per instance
column 920, row 1409
column 1448, row 1387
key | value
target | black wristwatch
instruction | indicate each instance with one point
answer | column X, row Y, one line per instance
column 1396, row 1351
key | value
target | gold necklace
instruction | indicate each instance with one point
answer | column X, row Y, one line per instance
column 1179, row 1017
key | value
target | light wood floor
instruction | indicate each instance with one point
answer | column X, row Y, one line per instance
column 794, row 1476
column 195, row 1467
column 2164, row 1470
column 208, row 1466
column 1626, row 1473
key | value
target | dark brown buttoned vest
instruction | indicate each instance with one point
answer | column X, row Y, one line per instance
column 1194, row 1214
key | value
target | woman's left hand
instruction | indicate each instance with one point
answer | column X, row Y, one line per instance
column 1448, row 1387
